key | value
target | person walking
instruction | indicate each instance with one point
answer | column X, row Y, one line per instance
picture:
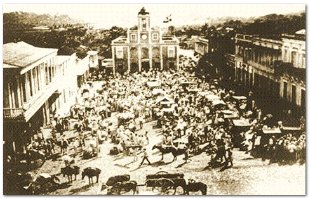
column 64, row 146
column 145, row 157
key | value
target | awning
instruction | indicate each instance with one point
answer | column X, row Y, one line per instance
column 218, row 102
column 239, row 97
column 158, row 91
column 272, row 131
column 169, row 110
column 153, row 84
column 241, row 123
column 212, row 97
column 164, row 99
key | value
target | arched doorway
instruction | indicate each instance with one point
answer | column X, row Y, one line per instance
column 145, row 66
column 156, row 59
column 134, row 66
column 145, row 59
column 120, row 68
column 172, row 66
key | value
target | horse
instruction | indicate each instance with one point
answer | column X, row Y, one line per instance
column 90, row 173
column 69, row 171
column 193, row 186
column 170, row 149
column 123, row 186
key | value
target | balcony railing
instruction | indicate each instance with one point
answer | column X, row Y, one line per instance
column 13, row 113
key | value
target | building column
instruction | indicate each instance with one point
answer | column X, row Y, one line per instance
column 27, row 87
column 11, row 105
column 47, row 113
column 33, row 82
column 19, row 93
column 150, row 57
column 113, row 60
column 161, row 58
column 128, row 50
column 139, row 58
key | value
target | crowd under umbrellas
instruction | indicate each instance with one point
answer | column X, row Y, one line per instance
column 194, row 116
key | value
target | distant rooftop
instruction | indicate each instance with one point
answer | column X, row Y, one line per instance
column 299, row 35
column 21, row 54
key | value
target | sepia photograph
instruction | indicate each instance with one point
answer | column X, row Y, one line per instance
column 154, row 99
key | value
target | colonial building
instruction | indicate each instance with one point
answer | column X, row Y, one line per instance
column 254, row 67
column 292, row 70
column 273, row 68
column 37, row 83
column 145, row 48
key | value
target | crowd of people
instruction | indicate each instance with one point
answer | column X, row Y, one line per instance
column 191, row 113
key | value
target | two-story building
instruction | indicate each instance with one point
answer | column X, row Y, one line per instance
column 273, row 68
column 84, row 66
column 145, row 48
column 255, row 58
column 36, row 83
column 292, row 70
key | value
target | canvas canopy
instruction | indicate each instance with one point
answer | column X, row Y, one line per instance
column 153, row 83
column 271, row 130
column 241, row 122
column 239, row 97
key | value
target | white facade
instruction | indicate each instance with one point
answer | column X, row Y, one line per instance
column 42, row 82
column 292, row 87
column 294, row 51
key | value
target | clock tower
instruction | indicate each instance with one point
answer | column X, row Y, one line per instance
column 143, row 20
column 144, row 48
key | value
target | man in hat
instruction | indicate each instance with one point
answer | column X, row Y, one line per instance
column 145, row 157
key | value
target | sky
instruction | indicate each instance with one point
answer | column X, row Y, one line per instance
column 125, row 15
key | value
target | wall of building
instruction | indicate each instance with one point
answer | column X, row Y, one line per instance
column 294, row 51
column 201, row 47
column 144, row 48
column 120, row 58
column 30, row 88
column 255, row 60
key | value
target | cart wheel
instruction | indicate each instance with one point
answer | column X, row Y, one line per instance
column 165, row 186
column 161, row 172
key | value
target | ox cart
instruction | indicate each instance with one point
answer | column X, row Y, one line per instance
column 173, row 183
column 161, row 183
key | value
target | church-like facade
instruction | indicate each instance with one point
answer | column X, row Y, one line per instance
column 145, row 48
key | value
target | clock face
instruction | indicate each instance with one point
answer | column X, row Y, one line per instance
column 144, row 37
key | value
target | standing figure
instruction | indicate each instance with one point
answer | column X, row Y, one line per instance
column 145, row 157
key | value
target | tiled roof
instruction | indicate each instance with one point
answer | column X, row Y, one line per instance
column 21, row 54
